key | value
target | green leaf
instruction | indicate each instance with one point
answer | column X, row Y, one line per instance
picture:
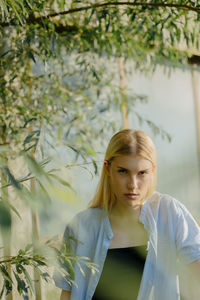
column 39, row 261
column 95, row 167
column 21, row 285
column 34, row 166
column 5, row 274
column 74, row 149
column 16, row 10
column 90, row 150
column 45, row 276
column 43, row 191
column 33, row 136
column 27, row 122
column 29, row 280
column 2, row 290
column 69, row 267
column 5, row 216
column 21, row 252
column 62, row 181
column 12, row 179
column 14, row 209
column 18, row 268
column 31, row 55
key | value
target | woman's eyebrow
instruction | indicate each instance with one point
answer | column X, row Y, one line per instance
column 119, row 167
column 139, row 170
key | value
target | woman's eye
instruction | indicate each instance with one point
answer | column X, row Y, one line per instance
column 142, row 172
column 123, row 171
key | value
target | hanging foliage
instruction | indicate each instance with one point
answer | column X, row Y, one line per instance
column 58, row 74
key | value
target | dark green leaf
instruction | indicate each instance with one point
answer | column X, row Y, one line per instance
column 95, row 167
column 25, row 124
column 5, row 275
column 12, row 179
column 33, row 136
column 5, row 216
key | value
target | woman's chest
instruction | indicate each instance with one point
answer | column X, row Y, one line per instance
column 128, row 236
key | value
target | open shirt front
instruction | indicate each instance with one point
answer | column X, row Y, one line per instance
column 173, row 235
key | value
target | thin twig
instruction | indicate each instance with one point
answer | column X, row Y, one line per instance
column 17, row 258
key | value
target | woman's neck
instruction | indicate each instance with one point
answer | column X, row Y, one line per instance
column 126, row 227
column 122, row 212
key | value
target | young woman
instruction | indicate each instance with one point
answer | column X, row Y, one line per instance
column 137, row 237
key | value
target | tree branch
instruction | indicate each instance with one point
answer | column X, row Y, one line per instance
column 49, row 172
column 34, row 19
column 125, row 3
column 17, row 258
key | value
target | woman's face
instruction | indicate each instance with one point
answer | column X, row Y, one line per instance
column 130, row 179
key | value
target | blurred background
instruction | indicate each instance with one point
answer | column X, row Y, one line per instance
column 72, row 74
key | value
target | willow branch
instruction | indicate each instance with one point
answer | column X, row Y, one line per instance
column 14, row 259
column 125, row 3
column 49, row 172
column 33, row 19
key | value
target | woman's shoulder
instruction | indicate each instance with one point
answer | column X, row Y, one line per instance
column 166, row 205
column 88, row 216
column 164, row 201
column 91, row 212
column 163, row 208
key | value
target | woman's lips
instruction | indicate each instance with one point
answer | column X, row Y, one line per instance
column 131, row 195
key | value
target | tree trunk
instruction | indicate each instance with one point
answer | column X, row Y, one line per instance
column 35, row 223
column 6, row 232
column 35, row 235
column 196, row 107
column 124, row 107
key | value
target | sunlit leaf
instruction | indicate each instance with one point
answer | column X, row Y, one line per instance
column 62, row 181
column 34, row 167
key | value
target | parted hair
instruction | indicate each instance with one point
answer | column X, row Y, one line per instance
column 124, row 142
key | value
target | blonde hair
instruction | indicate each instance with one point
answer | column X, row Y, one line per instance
column 124, row 142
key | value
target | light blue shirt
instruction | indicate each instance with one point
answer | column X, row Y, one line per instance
column 173, row 236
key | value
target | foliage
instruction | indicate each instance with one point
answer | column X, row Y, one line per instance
column 57, row 67
column 59, row 76
column 59, row 57
column 148, row 29
column 15, row 270
column 19, row 265
column 40, row 257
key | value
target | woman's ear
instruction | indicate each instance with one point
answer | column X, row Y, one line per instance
column 107, row 167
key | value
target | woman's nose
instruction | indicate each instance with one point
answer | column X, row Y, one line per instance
column 132, row 184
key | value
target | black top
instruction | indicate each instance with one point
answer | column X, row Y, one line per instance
column 121, row 275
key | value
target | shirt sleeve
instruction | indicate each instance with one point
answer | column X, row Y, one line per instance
column 187, row 235
column 63, row 275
